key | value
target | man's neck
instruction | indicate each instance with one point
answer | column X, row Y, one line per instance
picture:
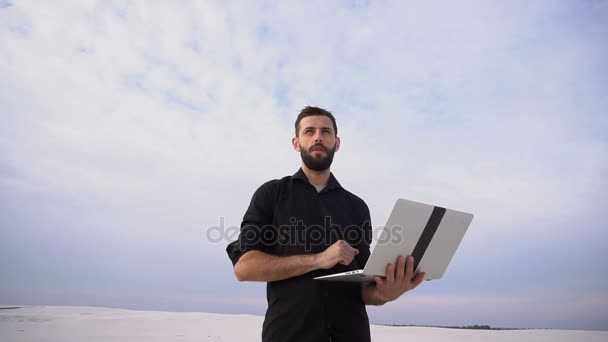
column 316, row 177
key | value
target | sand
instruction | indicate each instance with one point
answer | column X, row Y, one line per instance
column 92, row 324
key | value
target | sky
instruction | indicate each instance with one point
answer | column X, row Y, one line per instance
column 130, row 131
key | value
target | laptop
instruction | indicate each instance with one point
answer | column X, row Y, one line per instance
column 429, row 233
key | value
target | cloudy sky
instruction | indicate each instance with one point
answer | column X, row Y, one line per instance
column 129, row 129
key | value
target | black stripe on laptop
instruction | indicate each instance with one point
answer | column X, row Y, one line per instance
column 427, row 235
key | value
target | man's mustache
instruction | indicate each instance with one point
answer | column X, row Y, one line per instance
column 317, row 146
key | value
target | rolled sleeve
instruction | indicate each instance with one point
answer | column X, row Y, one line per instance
column 257, row 218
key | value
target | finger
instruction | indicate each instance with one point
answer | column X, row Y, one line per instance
column 351, row 248
column 409, row 270
column 347, row 256
column 400, row 269
column 340, row 258
column 379, row 282
column 343, row 249
column 350, row 253
column 418, row 279
column 345, row 259
column 348, row 261
column 390, row 274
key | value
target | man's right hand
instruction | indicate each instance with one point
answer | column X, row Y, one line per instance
column 338, row 253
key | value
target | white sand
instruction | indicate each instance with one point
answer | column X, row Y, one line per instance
column 90, row 324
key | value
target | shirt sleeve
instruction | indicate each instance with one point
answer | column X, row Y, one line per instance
column 366, row 237
column 256, row 220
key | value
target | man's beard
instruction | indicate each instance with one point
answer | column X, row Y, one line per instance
column 318, row 163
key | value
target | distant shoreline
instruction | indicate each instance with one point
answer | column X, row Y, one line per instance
column 471, row 327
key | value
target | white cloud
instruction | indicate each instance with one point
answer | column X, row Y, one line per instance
column 123, row 97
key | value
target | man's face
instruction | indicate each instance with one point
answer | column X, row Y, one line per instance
column 317, row 142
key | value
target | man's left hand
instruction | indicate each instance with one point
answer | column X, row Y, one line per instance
column 399, row 280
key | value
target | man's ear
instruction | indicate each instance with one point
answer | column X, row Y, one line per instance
column 337, row 143
column 295, row 142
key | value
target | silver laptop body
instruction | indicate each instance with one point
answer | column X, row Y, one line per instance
column 431, row 234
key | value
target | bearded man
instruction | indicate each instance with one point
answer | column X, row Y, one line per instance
column 307, row 225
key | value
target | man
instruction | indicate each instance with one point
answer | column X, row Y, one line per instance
column 308, row 225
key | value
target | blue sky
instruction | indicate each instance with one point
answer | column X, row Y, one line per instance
column 129, row 129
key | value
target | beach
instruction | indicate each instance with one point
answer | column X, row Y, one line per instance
column 96, row 324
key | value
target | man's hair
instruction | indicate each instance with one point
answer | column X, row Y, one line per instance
column 310, row 111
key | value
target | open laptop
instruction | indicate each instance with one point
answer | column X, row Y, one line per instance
column 430, row 234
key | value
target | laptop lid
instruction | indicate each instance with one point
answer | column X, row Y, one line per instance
column 429, row 233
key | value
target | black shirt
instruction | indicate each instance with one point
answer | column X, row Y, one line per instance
column 289, row 217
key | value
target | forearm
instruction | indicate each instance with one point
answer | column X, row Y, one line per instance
column 371, row 295
column 259, row 266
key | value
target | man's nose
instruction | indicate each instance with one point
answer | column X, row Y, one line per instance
column 317, row 137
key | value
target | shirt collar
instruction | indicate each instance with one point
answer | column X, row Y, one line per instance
column 332, row 182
